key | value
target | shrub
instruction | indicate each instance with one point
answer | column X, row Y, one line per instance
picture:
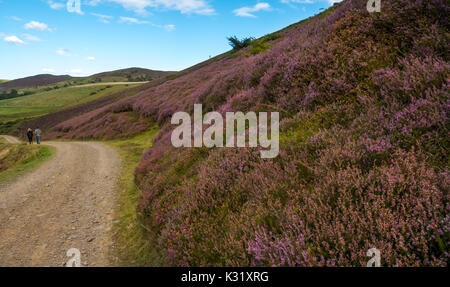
column 258, row 46
column 237, row 44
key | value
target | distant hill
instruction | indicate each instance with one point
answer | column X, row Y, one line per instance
column 48, row 121
column 132, row 74
column 33, row 82
column 31, row 106
column 17, row 110
column 124, row 75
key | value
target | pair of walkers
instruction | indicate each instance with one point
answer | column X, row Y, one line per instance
column 30, row 135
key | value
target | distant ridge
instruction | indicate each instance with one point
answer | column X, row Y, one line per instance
column 123, row 75
column 132, row 73
column 33, row 82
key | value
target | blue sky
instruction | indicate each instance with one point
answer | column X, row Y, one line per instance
column 47, row 36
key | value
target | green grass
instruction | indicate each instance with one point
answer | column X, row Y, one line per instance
column 13, row 118
column 258, row 46
column 3, row 81
column 87, row 80
column 62, row 97
column 18, row 159
column 15, row 111
column 135, row 245
column 7, row 111
column 105, row 79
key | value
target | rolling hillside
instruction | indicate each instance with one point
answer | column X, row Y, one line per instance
column 44, row 82
column 24, row 108
column 363, row 100
column 21, row 120
column 48, row 121
column 33, row 82
column 21, row 110
column 131, row 75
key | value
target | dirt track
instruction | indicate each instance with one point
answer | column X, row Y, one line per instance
column 11, row 139
column 66, row 203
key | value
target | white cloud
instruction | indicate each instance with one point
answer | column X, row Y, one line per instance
column 169, row 27
column 131, row 20
column 56, row 5
column 91, row 58
column 48, row 70
column 248, row 11
column 34, row 25
column 31, row 38
column 15, row 18
column 63, row 52
column 103, row 18
column 183, row 6
column 14, row 40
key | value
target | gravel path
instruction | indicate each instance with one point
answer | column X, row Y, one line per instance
column 11, row 139
column 66, row 203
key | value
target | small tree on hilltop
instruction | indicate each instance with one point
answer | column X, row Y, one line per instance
column 239, row 44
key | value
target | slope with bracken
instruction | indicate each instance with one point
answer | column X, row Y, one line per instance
column 363, row 164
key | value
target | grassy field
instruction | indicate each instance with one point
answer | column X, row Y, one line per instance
column 103, row 80
column 63, row 97
column 110, row 84
column 75, row 83
column 17, row 159
column 134, row 242
column 17, row 110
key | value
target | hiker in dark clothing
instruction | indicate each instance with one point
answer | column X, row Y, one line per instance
column 30, row 136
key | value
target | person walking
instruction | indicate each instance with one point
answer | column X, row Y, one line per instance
column 38, row 133
column 30, row 135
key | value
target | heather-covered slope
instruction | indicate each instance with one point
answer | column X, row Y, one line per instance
column 48, row 121
column 48, row 106
column 364, row 102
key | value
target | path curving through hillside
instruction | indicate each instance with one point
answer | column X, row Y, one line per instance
column 68, row 202
column 10, row 139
